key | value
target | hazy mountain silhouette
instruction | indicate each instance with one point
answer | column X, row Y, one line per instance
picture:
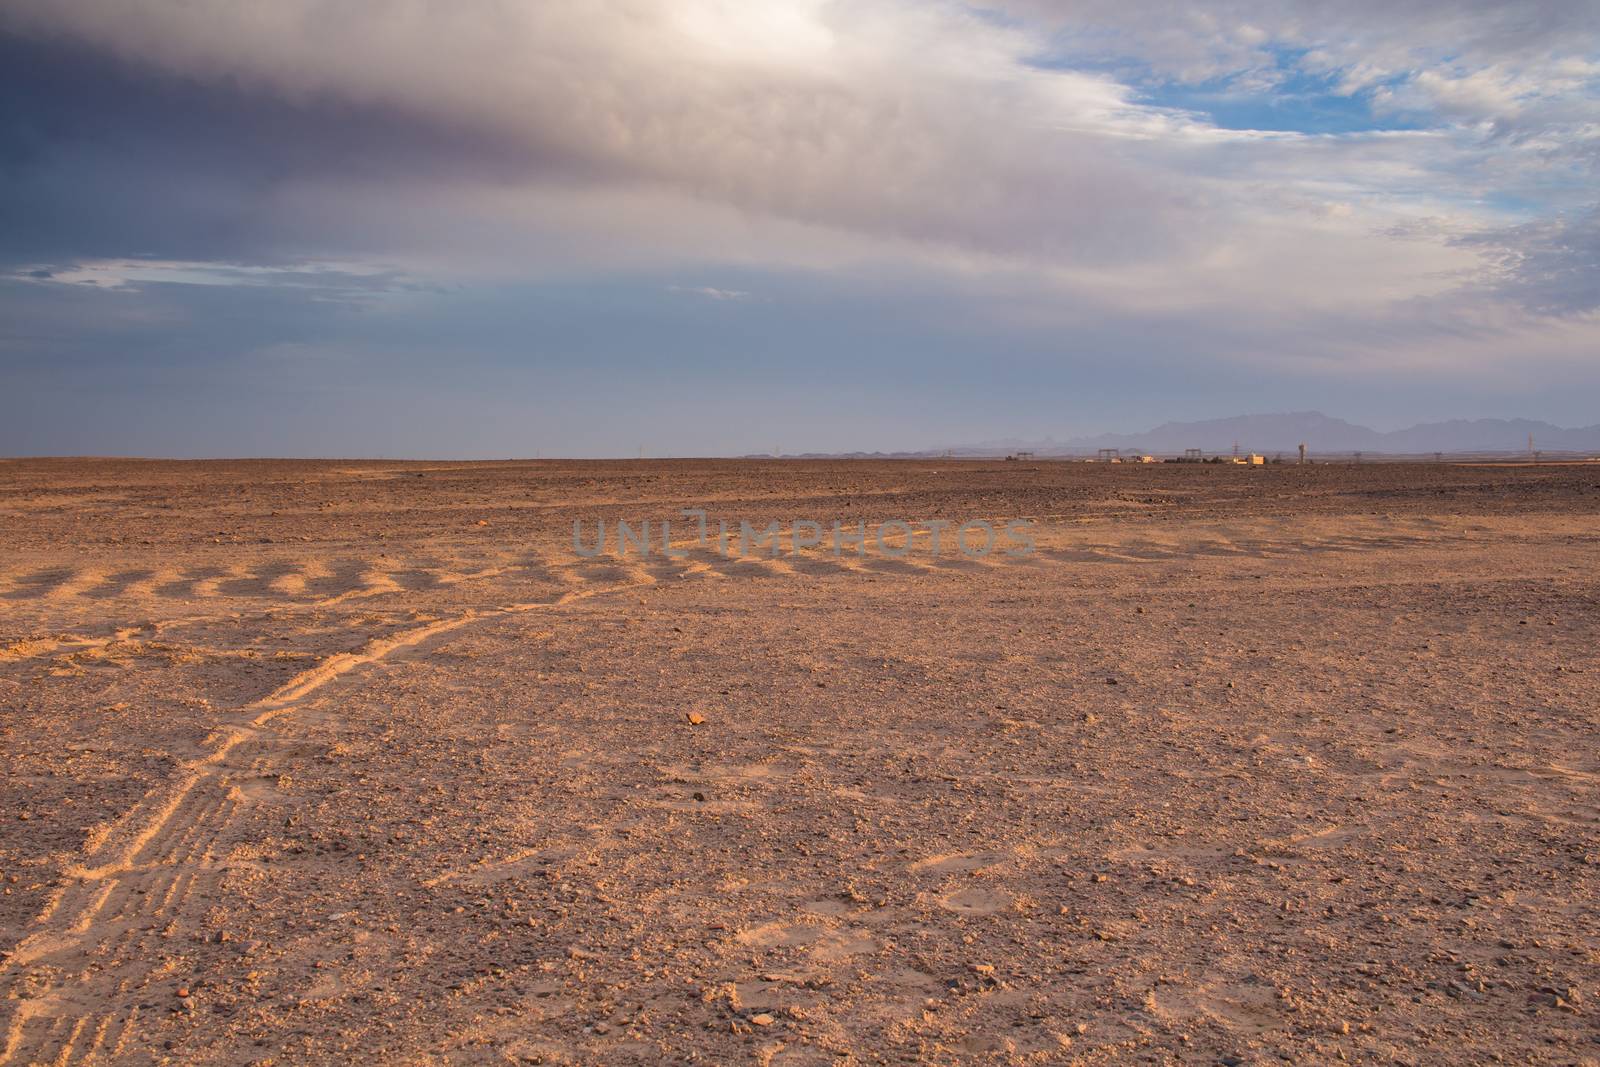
column 1320, row 433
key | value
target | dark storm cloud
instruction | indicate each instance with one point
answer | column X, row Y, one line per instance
column 527, row 97
column 103, row 157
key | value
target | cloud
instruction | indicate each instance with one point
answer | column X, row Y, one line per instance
column 826, row 128
column 1549, row 267
column 709, row 292
column 905, row 122
column 134, row 275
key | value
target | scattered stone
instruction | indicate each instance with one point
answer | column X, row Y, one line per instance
column 763, row 1019
column 694, row 718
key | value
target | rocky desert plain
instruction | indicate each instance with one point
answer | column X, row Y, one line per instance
column 362, row 762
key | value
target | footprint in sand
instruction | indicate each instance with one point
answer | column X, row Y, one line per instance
column 813, row 934
column 975, row 901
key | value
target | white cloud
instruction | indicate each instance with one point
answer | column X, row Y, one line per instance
column 709, row 292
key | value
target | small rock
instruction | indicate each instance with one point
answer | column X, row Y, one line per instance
column 762, row 1019
column 694, row 718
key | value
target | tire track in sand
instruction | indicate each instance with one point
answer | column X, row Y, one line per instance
column 70, row 989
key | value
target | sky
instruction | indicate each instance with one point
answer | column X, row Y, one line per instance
column 511, row 228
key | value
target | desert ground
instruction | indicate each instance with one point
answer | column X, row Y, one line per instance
column 334, row 762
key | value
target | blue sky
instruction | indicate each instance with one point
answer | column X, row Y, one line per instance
column 1299, row 103
column 1286, row 91
column 712, row 228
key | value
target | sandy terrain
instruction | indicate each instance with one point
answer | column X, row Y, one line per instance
column 360, row 762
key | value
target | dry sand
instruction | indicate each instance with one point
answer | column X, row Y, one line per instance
column 359, row 762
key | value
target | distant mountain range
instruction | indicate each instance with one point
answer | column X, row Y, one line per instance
column 1319, row 432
